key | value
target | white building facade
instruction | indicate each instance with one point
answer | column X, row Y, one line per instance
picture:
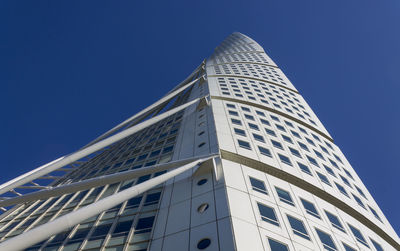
column 233, row 158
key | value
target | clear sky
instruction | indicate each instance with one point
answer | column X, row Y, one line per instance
column 71, row 70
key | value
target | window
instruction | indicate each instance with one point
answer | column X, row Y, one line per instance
column 324, row 179
column 359, row 201
column 287, row 139
column 276, row 144
column 341, row 189
column 285, row 159
column 330, row 170
column 258, row 137
column 258, row 185
column 347, row 247
column 274, row 118
column 310, row 208
column 247, row 116
column 280, row 128
column 377, row 246
column 230, row 106
column 326, row 240
column 245, row 109
column 312, row 161
column 265, row 151
column 360, row 192
column 236, row 122
column 303, row 146
column 284, row 196
column 240, row 132
column 304, row 168
column 346, row 181
column 335, row 221
column 268, row 214
column 357, row 234
column 298, row 227
column 319, row 155
column 375, row 213
column 253, row 126
column 295, row 152
column 348, row 174
column 277, row 246
column 233, row 113
column 270, row 132
column 265, row 122
column 244, row 144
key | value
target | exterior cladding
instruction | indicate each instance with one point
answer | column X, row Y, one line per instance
column 260, row 115
column 280, row 182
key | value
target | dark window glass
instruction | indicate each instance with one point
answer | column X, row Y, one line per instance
column 265, row 151
column 145, row 223
column 276, row 144
column 284, row 196
column 358, row 235
column 326, row 240
column 298, row 227
column 122, row 227
column 268, row 214
column 304, row 168
column 244, row 144
column 312, row 161
column 310, row 208
column 285, row 159
column 240, row 132
column 277, row 246
column 323, row 178
column 341, row 189
column 258, row 185
column 348, row 248
column 258, row 137
column 335, row 221
column 377, row 246
column 270, row 132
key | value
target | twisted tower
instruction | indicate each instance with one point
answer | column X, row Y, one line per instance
column 232, row 158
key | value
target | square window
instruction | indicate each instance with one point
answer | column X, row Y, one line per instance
column 310, row 208
column 284, row 196
column 335, row 221
column 357, row 234
column 326, row 240
column 258, row 185
column 277, row 246
column 244, row 144
column 258, row 137
column 298, row 227
column 304, row 168
column 236, row 122
column 268, row 214
column 265, row 151
column 284, row 159
column 240, row 132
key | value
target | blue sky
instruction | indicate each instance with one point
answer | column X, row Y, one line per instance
column 71, row 70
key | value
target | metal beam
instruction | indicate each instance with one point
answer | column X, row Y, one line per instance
column 144, row 113
column 66, row 160
column 69, row 220
column 95, row 182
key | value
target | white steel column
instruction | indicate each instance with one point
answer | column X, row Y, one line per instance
column 66, row 160
column 145, row 111
column 58, row 225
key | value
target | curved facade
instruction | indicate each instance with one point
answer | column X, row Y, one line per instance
column 267, row 174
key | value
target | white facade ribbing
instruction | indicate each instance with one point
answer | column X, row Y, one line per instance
column 279, row 181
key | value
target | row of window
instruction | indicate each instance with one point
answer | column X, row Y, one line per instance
column 284, row 159
column 268, row 215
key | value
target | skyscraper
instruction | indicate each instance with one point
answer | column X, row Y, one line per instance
column 232, row 158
